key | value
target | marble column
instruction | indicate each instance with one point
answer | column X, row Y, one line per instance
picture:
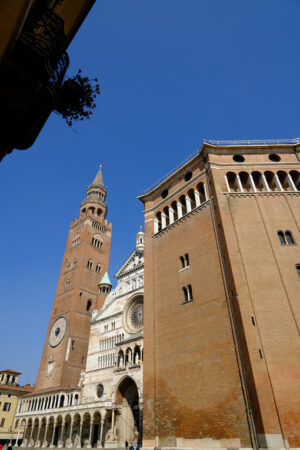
column 291, row 182
column 53, row 434
column 188, row 204
column 37, row 434
column 171, row 215
column 71, row 432
column 155, row 225
column 113, row 420
column 265, row 183
column 239, row 183
column 31, row 434
column 45, row 435
column 80, row 433
column 179, row 210
column 252, row 184
column 62, row 433
column 197, row 198
column 24, row 434
column 16, row 444
column 101, row 431
column 90, row 434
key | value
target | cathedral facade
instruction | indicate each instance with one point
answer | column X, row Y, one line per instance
column 113, row 380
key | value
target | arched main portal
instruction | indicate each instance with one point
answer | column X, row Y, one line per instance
column 128, row 421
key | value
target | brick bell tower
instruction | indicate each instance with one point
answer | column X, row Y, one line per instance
column 84, row 264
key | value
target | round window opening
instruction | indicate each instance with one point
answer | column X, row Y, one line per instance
column 165, row 193
column 100, row 390
column 238, row 158
column 134, row 315
column 274, row 157
column 188, row 176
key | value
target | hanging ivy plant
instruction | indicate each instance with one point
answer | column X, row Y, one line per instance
column 76, row 99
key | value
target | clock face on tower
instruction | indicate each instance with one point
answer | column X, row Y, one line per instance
column 57, row 331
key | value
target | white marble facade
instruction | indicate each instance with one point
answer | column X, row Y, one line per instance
column 114, row 370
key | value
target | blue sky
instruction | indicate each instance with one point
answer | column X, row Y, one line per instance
column 171, row 72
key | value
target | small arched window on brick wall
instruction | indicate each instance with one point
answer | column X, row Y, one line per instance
column 202, row 192
column 89, row 305
column 295, row 176
column 188, row 293
column 286, row 238
column 96, row 242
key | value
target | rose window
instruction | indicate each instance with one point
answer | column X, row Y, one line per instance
column 133, row 318
column 137, row 315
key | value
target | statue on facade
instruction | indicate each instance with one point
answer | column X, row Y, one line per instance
column 81, row 378
column 45, row 444
column 69, row 443
column 60, row 444
column 77, row 443
column 24, row 443
column 38, row 443
column 136, row 358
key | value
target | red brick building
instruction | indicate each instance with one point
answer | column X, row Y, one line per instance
column 222, row 310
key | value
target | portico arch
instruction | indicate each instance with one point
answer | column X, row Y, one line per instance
column 95, row 435
column 49, row 432
column 57, row 430
column 42, row 432
column 86, row 427
column 35, row 431
column 128, row 421
column 76, row 431
column 28, row 430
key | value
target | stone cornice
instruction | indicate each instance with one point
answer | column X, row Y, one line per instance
column 233, row 165
column 263, row 194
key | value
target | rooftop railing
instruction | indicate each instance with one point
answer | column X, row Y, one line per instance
column 253, row 142
column 224, row 143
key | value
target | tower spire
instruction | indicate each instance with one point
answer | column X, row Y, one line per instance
column 98, row 181
column 95, row 197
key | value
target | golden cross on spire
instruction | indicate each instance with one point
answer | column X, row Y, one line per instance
column 100, row 167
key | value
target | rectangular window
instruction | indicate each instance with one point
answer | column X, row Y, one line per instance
column 2, row 423
column 6, row 406
column 298, row 269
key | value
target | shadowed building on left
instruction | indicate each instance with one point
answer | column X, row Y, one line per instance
column 34, row 36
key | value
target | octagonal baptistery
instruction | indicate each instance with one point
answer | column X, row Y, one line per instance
column 112, row 383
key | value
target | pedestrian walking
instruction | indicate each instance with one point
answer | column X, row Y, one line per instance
column 126, row 445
